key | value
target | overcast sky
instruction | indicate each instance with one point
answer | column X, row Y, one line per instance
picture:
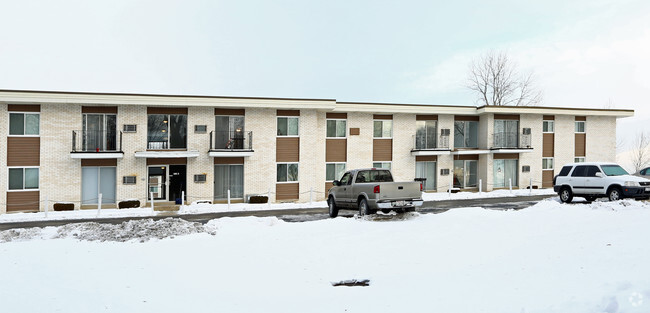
column 587, row 53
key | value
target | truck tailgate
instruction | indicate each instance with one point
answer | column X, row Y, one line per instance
column 400, row 191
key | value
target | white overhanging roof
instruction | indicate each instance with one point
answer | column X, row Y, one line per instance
column 331, row 105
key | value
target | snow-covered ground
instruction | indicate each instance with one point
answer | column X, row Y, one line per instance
column 197, row 208
column 551, row 257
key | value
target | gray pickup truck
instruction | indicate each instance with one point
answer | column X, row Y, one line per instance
column 372, row 189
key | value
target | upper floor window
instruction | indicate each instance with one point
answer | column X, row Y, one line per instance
column 548, row 126
column 383, row 129
column 336, row 128
column 580, row 126
column 506, row 133
column 466, row 134
column 229, row 132
column 23, row 178
column 99, row 132
column 24, row 124
column 386, row 165
column 167, row 131
column 425, row 136
column 287, row 126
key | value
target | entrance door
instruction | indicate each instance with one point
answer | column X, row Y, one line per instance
column 157, row 179
column 505, row 172
column 228, row 177
column 465, row 173
column 426, row 169
column 177, row 182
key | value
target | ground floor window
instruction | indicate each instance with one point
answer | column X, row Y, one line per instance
column 334, row 171
column 96, row 180
column 386, row 165
column 505, row 172
column 23, row 178
column 229, row 177
column 465, row 173
column 426, row 169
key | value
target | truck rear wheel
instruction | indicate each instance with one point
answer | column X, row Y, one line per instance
column 363, row 207
column 333, row 209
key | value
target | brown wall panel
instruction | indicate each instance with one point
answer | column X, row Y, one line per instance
column 466, row 118
column 23, row 151
column 23, row 201
column 424, row 158
column 382, row 117
column 548, row 117
column 336, row 150
column 24, row 107
column 547, row 178
column 99, row 110
column 288, row 112
column 506, row 156
column 548, row 145
column 156, row 110
column 514, row 117
column 337, row 115
column 382, row 149
column 328, row 185
column 287, row 149
column 166, row 161
column 99, row 162
column 465, row 157
column 218, row 111
column 229, row 160
column 580, row 145
column 286, row 191
column 581, row 118
column 355, row 131
column 426, row 117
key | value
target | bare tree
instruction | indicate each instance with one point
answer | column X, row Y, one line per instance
column 641, row 155
column 496, row 81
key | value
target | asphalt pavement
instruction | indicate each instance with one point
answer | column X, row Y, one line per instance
column 303, row 215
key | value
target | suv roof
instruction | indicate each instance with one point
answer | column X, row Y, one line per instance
column 591, row 163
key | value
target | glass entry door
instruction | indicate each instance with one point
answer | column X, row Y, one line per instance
column 228, row 177
column 157, row 179
column 465, row 174
column 426, row 169
column 99, row 132
column 505, row 171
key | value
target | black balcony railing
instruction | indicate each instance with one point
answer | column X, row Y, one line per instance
column 231, row 140
column 96, row 141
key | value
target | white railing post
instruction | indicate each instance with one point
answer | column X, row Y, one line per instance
column 510, row 184
column 268, row 197
column 151, row 195
column 99, row 204
column 530, row 187
column 228, row 199
column 47, row 204
column 311, row 195
column 183, row 199
column 480, row 186
column 451, row 183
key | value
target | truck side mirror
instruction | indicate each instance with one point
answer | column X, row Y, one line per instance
column 336, row 183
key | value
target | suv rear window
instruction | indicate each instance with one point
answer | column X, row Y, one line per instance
column 565, row 170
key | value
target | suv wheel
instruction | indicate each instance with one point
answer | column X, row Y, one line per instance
column 566, row 195
column 333, row 210
column 614, row 194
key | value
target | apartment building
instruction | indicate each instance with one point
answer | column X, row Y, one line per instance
column 73, row 147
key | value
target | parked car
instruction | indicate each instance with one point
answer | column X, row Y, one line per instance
column 645, row 173
column 597, row 179
column 372, row 189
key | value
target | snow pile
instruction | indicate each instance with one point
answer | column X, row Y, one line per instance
column 503, row 193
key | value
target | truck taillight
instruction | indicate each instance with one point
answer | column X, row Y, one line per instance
column 376, row 189
column 420, row 186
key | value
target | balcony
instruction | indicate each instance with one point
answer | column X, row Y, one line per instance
column 423, row 145
column 512, row 142
column 236, row 143
column 91, row 144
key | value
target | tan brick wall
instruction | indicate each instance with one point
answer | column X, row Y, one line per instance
column 203, row 164
column 311, row 170
column 360, row 147
column 260, row 168
column 445, row 161
column 485, row 171
column 132, row 142
column 564, row 141
column 4, row 129
column 534, row 158
column 601, row 139
column 404, row 129
column 60, row 175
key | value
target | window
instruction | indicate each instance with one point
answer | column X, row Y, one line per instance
column 506, row 133
column 336, row 128
column 228, row 177
column 287, row 126
column 466, row 134
column 287, row 172
column 98, row 180
column 24, row 124
column 613, row 170
column 229, row 132
column 505, row 173
column 547, row 163
column 565, row 170
column 386, row 165
column 334, row 171
column 548, row 126
column 167, row 131
column 592, row 170
column 23, row 178
column 383, row 129
column 346, row 179
column 579, row 171
column 579, row 160
column 374, row 176
column 425, row 136
column 427, row 170
column 99, row 132
column 580, row 126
